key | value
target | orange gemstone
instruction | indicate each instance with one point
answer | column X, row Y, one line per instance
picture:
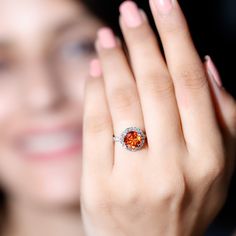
column 133, row 140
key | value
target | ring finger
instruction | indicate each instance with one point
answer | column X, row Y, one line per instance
column 120, row 85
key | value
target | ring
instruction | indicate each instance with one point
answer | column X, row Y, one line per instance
column 133, row 139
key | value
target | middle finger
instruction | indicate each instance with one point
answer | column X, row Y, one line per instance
column 155, row 86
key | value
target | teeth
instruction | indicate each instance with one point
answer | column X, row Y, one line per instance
column 49, row 142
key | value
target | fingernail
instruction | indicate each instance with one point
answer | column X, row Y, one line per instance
column 164, row 6
column 131, row 14
column 95, row 68
column 211, row 68
column 144, row 15
column 106, row 38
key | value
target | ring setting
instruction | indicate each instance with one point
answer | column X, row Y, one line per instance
column 132, row 138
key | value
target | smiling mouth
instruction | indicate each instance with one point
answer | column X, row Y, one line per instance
column 50, row 144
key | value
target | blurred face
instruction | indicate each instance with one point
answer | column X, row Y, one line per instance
column 45, row 49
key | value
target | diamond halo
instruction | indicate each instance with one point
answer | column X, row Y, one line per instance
column 132, row 138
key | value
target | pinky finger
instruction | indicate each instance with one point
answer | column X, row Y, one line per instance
column 225, row 103
column 97, row 126
column 225, row 106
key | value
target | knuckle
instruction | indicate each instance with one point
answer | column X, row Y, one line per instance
column 193, row 79
column 175, row 28
column 213, row 170
column 166, row 193
column 109, row 54
column 171, row 191
column 97, row 123
column 158, row 85
column 142, row 35
column 130, row 195
column 132, row 202
column 181, row 188
column 123, row 98
column 218, row 169
column 130, row 198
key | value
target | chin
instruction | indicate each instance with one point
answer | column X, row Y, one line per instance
column 60, row 198
column 53, row 183
column 58, row 192
column 56, row 185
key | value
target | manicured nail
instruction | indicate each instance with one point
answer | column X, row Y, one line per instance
column 144, row 15
column 95, row 68
column 106, row 38
column 212, row 70
column 164, row 6
column 131, row 14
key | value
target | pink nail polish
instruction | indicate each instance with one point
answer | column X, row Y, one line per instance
column 106, row 38
column 131, row 14
column 213, row 70
column 95, row 68
column 164, row 6
column 144, row 15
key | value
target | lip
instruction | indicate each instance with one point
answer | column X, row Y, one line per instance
column 72, row 147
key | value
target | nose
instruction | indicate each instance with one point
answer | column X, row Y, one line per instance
column 42, row 88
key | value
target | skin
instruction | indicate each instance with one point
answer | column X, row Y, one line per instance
column 45, row 49
column 41, row 86
column 177, row 184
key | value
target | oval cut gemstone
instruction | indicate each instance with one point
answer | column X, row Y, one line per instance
column 133, row 140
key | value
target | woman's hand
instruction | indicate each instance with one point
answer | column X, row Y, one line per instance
column 178, row 182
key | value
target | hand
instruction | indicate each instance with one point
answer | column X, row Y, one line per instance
column 178, row 182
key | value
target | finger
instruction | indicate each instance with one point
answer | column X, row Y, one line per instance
column 97, row 126
column 187, row 71
column 225, row 106
column 120, row 85
column 154, row 83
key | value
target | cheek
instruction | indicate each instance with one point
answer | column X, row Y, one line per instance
column 10, row 109
column 9, row 103
column 51, row 184
column 74, row 78
column 10, row 113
